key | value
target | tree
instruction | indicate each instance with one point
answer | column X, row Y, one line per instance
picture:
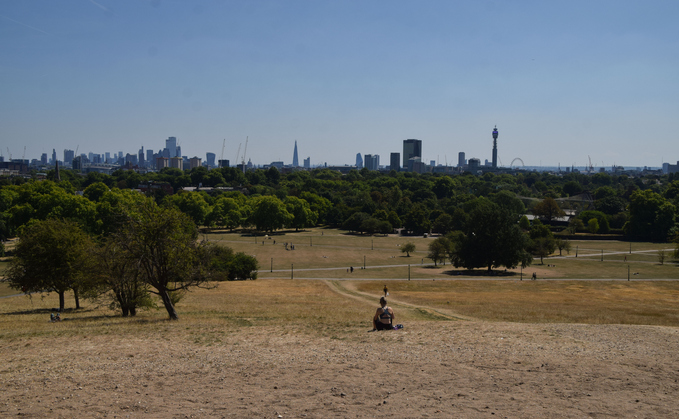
column 408, row 248
column 593, row 225
column 162, row 243
column 548, row 209
column 355, row 222
column 52, row 255
column 303, row 215
column 443, row 224
column 563, row 244
column 662, row 255
column 229, row 266
column 491, row 238
column 269, row 213
column 651, row 216
column 524, row 223
column 226, row 212
column 574, row 225
column 543, row 243
column 190, row 203
column 119, row 279
column 438, row 249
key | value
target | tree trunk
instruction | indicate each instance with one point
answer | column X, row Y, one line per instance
column 167, row 301
column 125, row 311
column 133, row 311
column 62, row 303
column 77, row 298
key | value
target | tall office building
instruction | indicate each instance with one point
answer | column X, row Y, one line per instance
column 372, row 162
column 210, row 160
column 461, row 160
column 395, row 162
column 295, row 160
column 194, row 162
column 149, row 158
column 54, row 156
column 307, row 163
column 411, row 148
column 43, row 159
column 359, row 161
column 68, row 156
column 142, row 162
column 171, row 146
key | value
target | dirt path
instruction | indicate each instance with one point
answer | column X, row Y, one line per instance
column 347, row 289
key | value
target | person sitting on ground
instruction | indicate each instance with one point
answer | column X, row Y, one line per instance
column 384, row 317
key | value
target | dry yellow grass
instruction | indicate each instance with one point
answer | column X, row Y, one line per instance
column 593, row 302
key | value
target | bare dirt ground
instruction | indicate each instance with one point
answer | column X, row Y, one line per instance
column 464, row 369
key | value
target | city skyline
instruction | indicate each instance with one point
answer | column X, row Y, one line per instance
column 561, row 82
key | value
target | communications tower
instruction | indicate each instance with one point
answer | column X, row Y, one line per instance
column 495, row 133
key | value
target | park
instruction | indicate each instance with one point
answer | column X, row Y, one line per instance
column 593, row 335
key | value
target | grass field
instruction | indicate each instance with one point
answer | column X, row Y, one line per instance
column 347, row 300
column 321, row 253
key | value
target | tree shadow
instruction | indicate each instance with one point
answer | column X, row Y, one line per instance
column 481, row 272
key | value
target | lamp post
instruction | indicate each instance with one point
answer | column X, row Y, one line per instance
column 408, row 272
column 292, row 271
column 271, row 264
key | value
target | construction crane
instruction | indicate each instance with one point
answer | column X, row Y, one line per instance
column 238, row 153
column 221, row 156
column 245, row 152
column 24, row 155
column 9, row 154
column 590, row 168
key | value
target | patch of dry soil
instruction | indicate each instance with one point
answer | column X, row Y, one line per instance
column 456, row 369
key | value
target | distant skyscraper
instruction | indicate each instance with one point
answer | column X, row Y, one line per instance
column 359, row 161
column 295, row 160
column 369, row 162
column 68, row 156
column 411, row 148
column 171, row 146
column 495, row 134
column 395, row 162
column 149, row 158
column 210, row 160
column 43, row 159
column 307, row 163
column 142, row 162
column 194, row 162
column 179, row 151
column 461, row 161
column 54, row 156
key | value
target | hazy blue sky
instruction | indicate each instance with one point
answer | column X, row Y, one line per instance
column 561, row 79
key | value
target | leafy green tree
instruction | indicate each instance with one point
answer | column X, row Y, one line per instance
column 548, row 209
column 593, row 225
column 95, row 191
column 438, row 249
column 491, row 238
column 303, row 215
column 118, row 279
column 507, row 200
column 355, row 222
column 230, row 266
column 417, row 220
column 408, row 248
column 652, row 217
column 114, row 207
column 574, row 225
column 524, row 223
column 269, row 213
column 226, row 212
column 51, row 255
column 542, row 241
column 443, row 224
column 192, row 204
column 162, row 243
column 563, row 244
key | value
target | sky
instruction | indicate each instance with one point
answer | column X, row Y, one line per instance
column 564, row 81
